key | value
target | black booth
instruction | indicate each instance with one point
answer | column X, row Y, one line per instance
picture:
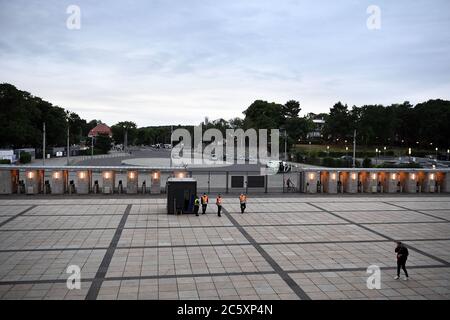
column 180, row 195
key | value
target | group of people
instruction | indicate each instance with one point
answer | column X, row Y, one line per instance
column 204, row 199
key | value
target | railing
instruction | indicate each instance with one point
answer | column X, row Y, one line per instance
column 37, row 179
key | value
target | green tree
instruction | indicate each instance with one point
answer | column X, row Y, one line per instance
column 103, row 142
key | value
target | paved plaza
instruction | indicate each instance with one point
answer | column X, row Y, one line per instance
column 300, row 247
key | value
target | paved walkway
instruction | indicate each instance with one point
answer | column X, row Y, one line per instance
column 281, row 248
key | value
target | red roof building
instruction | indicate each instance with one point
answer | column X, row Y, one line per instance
column 100, row 129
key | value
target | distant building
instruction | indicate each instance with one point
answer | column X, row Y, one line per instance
column 100, row 129
column 8, row 155
column 317, row 131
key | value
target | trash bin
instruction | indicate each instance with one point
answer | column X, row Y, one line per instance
column 180, row 195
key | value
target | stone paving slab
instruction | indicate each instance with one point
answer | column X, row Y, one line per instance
column 57, row 239
column 181, row 236
column 274, row 234
column 185, row 220
column 444, row 214
column 324, row 243
column 385, row 216
column 12, row 210
column 27, row 265
column 437, row 248
column 424, row 283
column 355, row 206
column 76, row 210
column 185, row 261
column 245, row 287
column 43, row 291
column 63, row 222
column 340, row 255
column 424, row 205
column 299, row 217
column 272, row 207
column 414, row 231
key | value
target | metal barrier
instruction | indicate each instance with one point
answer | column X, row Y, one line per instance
column 152, row 180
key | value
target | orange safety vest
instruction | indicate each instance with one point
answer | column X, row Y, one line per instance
column 205, row 199
column 219, row 201
column 242, row 198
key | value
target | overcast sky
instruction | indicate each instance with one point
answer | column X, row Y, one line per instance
column 177, row 61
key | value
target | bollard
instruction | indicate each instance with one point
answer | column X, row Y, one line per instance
column 120, row 187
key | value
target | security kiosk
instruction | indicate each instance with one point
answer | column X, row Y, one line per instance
column 83, row 182
column 310, row 181
column 330, row 181
column 132, row 182
column 58, row 182
column 155, row 187
column 411, row 182
column 350, row 181
column 9, row 181
column 391, row 182
column 33, row 181
column 109, row 178
column 370, row 182
column 180, row 195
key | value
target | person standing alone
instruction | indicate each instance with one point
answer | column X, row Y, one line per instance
column 243, row 202
column 219, row 205
column 204, row 203
column 402, row 256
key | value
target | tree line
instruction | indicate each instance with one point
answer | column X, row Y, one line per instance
column 22, row 116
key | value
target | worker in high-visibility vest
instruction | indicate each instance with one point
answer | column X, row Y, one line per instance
column 243, row 202
column 196, row 205
column 219, row 205
column 204, row 201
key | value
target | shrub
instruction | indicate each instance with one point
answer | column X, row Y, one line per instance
column 5, row 161
column 25, row 157
column 367, row 163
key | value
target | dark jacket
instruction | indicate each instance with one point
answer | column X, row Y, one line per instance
column 402, row 253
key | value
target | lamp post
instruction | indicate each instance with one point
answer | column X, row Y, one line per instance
column 409, row 153
column 328, row 151
column 436, row 152
column 376, row 155
column 448, row 154
column 384, row 151
column 354, row 149
column 43, row 145
column 68, row 140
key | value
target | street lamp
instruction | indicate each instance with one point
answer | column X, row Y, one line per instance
column 376, row 155
column 328, row 151
column 448, row 153
column 436, row 152
column 384, row 151
column 409, row 153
